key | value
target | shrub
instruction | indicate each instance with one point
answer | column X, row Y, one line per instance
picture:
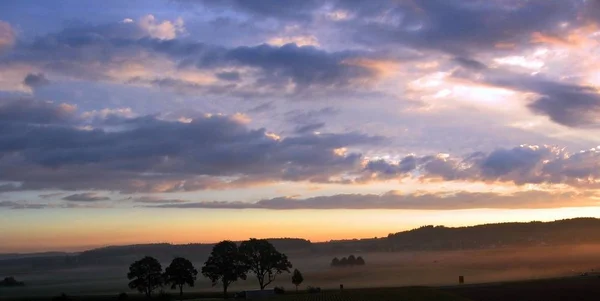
column 279, row 290
column 163, row 296
column 62, row 297
column 313, row 290
column 350, row 261
column 10, row 282
column 240, row 295
column 360, row 261
column 122, row 297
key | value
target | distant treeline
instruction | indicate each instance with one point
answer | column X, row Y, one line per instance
column 347, row 262
column 11, row 282
column 570, row 231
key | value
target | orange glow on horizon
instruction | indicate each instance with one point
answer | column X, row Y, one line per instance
column 209, row 226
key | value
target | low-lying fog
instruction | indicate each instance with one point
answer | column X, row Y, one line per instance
column 381, row 269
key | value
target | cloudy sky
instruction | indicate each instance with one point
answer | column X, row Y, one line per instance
column 200, row 120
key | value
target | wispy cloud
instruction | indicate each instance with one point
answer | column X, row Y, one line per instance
column 425, row 201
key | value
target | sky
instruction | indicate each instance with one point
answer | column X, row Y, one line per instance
column 185, row 121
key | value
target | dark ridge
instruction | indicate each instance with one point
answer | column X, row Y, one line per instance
column 426, row 238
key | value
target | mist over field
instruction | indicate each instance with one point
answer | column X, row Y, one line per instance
column 436, row 268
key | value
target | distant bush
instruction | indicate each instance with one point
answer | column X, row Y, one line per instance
column 11, row 282
column 313, row 290
column 279, row 290
column 240, row 295
column 122, row 297
column 62, row 297
column 360, row 261
column 346, row 262
column 163, row 296
column 351, row 260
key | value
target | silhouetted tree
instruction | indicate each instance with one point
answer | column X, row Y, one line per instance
column 360, row 261
column 179, row 273
column 225, row 264
column 351, row 260
column 145, row 275
column 264, row 260
column 297, row 278
column 344, row 262
column 335, row 262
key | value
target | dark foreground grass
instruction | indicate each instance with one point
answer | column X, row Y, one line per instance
column 376, row 294
column 563, row 289
column 130, row 297
column 370, row 294
column 557, row 289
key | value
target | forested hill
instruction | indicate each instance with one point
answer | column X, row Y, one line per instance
column 571, row 231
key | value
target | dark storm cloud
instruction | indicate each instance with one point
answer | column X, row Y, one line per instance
column 35, row 80
column 68, row 157
column 85, row 197
column 392, row 200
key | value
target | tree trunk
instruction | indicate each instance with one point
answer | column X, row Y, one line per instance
column 181, row 292
column 296, row 288
column 225, row 290
column 261, row 283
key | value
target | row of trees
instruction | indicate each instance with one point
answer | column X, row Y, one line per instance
column 10, row 282
column 226, row 264
column 350, row 261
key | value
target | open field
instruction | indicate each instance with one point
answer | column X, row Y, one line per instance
column 557, row 289
column 377, row 294
column 373, row 294
column 382, row 270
